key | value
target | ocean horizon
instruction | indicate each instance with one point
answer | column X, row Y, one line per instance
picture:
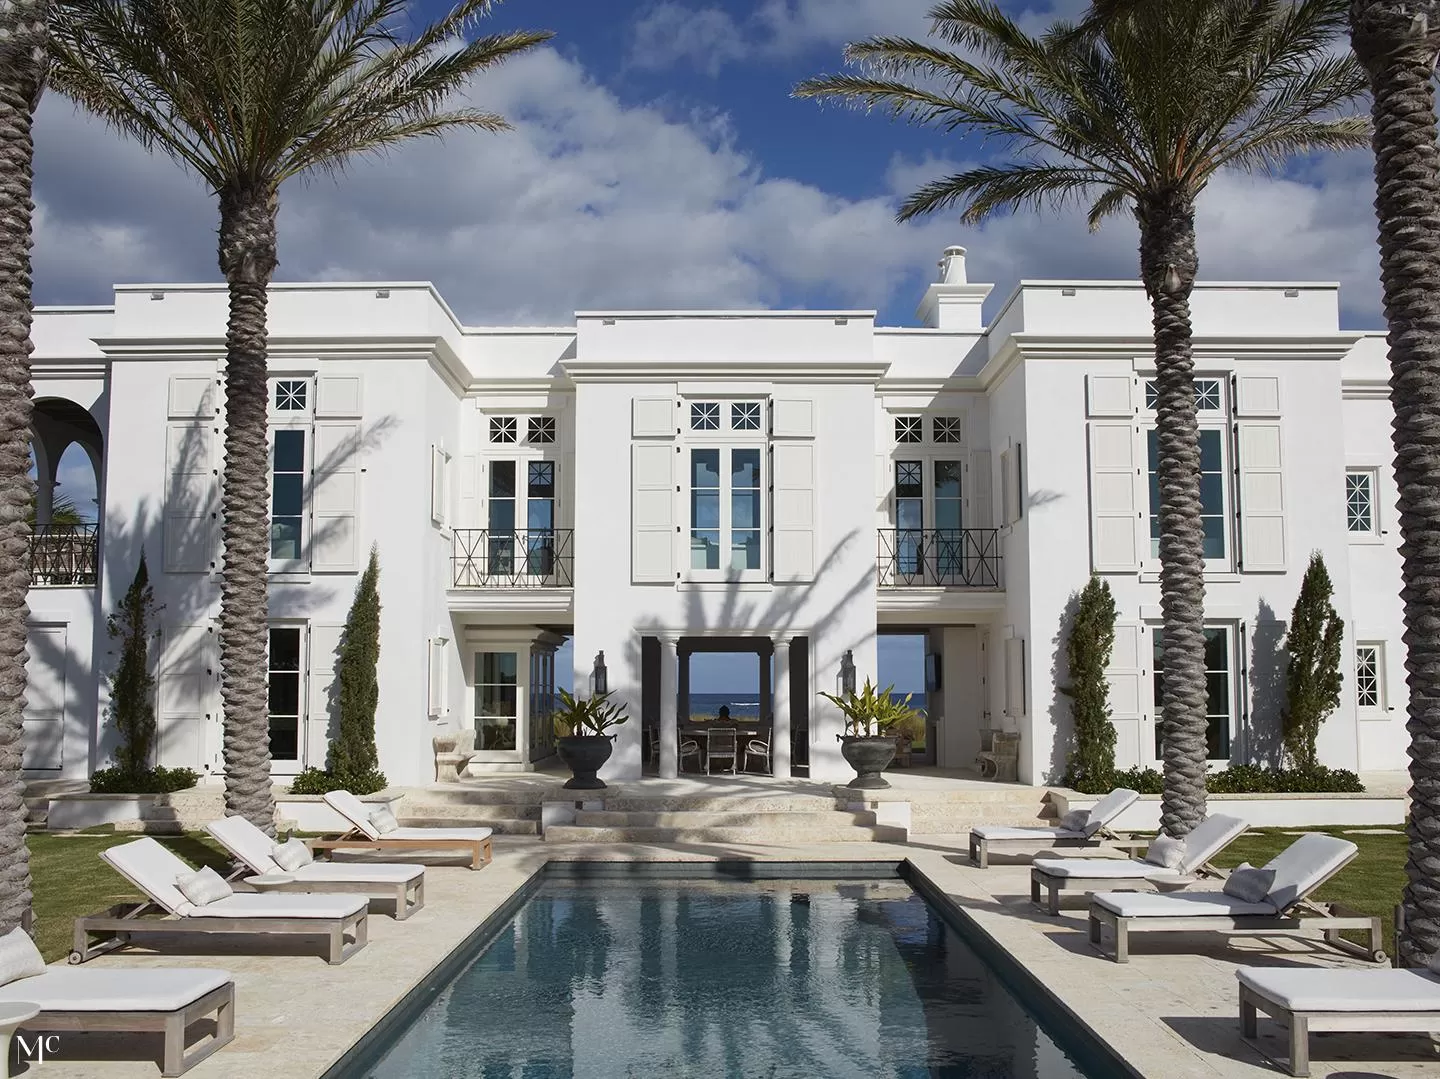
column 747, row 706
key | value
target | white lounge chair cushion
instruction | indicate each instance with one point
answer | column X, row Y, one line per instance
column 1318, row 989
column 203, row 887
column 19, row 958
column 475, row 834
column 101, row 989
column 383, row 820
column 1178, row 905
column 1099, row 868
column 1305, row 864
column 1075, row 820
column 152, row 869
column 1248, row 883
column 1209, row 838
column 1038, row 834
column 246, row 842
column 1165, row 851
column 353, row 810
column 359, row 872
column 291, row 855
column 283, row 905
column 1108, row 808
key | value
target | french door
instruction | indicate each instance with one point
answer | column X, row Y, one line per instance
column 521, row 538
column 929, row 534
column 287, row 696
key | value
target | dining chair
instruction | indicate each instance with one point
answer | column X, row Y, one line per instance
column 756, row 748
column 689, row 747
column 722, row 745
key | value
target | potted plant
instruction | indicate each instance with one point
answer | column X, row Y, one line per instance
column 581, row 741
column 871, row 721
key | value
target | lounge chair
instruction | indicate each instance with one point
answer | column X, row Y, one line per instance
column 1310, row 998
column 1285, row 910
column 154, row 870
column 363, row 835
column 170, row 1001
column 1093, row 831
column 405, row 884
column 1056, row 875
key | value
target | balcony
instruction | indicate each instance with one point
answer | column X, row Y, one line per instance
column 940, row 558
column 541, row 558
column 62, row 555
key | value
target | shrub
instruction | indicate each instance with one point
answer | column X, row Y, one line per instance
column 1312, row 680
column 1092, row 636
column 319, row 781
column 132, row 686
column 353, row 756
column 1244, row 779
column 146, row 781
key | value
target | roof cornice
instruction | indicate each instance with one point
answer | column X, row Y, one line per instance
column 866, row 372
column 1365, row 389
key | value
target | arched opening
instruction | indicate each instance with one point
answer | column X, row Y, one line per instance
column 67, row 455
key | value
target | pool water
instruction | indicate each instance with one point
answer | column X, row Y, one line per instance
column 762, row 979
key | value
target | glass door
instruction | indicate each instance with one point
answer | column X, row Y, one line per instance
column 542, row 703
column 497, row 701
column 521, row 523
column 909, row 517
column 1219, row 692
column 286, row 680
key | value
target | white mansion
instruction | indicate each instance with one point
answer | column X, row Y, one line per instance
column 660, row 483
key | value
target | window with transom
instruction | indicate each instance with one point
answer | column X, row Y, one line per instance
column 1216, row 491
column 1370, row 675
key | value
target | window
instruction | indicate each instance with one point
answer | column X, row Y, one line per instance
column 909, row 516
column 745, row 416
column 1208, row 395
column 908, row 429
column 540, row 430
column 291, row 395
column 497, row 700
column 705, row 416
column 1219, row 692
column 540, row 518
column 284, row 687
column 1213, row 489
column 503, row 428
column 946, row 429
column 1360, row 501
column 287, row 495
column 1370, row 675
column 725, row 508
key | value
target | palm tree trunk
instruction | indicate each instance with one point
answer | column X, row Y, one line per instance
column 1167, row 266
column 247, row 258
column 1397, row 43
column 22, row 74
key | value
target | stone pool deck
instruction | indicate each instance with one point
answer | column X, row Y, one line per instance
column 1170, row 1012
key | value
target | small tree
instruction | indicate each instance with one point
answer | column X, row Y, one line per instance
column 1312, row 680
column 132, row 686
column 353, row 760
column 1090, row 765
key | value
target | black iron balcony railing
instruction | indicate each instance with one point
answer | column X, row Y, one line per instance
column 62, row 555
column 940, row 558
column 539, row 558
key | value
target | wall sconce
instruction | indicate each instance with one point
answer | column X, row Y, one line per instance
column 599, row 677
column 847, row 673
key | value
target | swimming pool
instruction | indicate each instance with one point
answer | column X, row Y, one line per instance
column 719, row 977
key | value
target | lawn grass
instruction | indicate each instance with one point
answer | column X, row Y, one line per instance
column 1371, row 884
column 69, row 879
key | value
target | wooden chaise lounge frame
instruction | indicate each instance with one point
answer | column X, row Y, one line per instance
column 1298, row 917
column 173, row 1025
column 117, row 925
column 356, row 839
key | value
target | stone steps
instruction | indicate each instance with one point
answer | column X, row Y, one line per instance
column 504, row 818
column 572, row 833
column 771, row 822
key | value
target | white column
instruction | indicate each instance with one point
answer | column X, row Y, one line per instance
column 780, row 704
column 669, row 698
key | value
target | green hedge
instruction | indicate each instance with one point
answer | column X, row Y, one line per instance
column 154, row 781
column 1243, row 779
column 319, row 781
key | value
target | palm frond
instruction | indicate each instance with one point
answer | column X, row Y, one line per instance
column 991, row 189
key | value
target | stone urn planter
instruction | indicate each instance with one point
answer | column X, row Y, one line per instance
column 584, row 755
column 869, row 756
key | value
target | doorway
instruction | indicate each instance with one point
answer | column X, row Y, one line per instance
column 904, row 662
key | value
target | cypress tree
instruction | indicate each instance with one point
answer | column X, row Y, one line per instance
column 1312, row 680
column 354, row 763
column 132, row 686
column 1090, row 765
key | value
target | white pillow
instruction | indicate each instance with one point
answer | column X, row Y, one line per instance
column 384, row 820
column 203, row 886
column 291, row 854
column 1165, row 851
column 19, row 958
column 1074, row 821
column 1249, row 884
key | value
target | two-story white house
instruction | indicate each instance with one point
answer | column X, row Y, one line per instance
column 657, row 484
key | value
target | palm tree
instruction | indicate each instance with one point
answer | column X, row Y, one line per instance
column 1397, row 44
column 22, row 77
column 248, row 94
column 1136, row 113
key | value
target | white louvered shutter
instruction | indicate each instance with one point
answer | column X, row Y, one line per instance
column 44, row 718
column 793, row 513
column 1015, row 677
column 322, row 707
column 652, row 509
column 185, row 697
column 1126, row 678
column 1115, row 515
column 191, row 475
column 1259, row 449
column 335, row 498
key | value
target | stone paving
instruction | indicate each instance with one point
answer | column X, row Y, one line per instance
column 1170, row 1012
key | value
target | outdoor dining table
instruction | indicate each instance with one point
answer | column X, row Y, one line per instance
column 744, row 733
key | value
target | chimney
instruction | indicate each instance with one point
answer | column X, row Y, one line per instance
column 952, row 303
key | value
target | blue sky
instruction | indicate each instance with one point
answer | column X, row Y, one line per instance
column 657, row 160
